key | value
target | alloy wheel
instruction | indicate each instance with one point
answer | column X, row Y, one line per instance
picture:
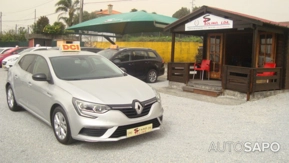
column 10, row 98
column 152, row 76
column 60, row 126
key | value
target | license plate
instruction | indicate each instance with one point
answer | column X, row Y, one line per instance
column 139, row 130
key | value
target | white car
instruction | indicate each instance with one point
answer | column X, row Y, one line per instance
column 82, row 96
column 11, row 60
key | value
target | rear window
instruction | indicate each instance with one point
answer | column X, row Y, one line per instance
column 152, row 55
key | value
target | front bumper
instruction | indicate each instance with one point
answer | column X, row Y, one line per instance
column 113, row 125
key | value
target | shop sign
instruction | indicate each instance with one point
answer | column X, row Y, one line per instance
column 208, row 22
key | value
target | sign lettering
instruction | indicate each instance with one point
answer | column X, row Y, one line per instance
column 70, row 47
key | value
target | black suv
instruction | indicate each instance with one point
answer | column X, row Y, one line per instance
column 143, row 63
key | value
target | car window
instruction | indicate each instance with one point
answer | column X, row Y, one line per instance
column 84, row 67
column 41, row 66
column 108, row 53
column 19, row 50
column 26, row 61
column 138, row 55
column 3, row 50
column 152, row 55
column 123, row 56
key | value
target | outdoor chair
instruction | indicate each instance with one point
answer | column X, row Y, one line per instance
column 267, row 65
column 204, row 66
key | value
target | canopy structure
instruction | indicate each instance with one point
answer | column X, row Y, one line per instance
column 126, row 23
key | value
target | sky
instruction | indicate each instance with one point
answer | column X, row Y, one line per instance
column 21, row 13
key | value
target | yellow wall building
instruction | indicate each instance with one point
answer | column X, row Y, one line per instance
column 184, row 51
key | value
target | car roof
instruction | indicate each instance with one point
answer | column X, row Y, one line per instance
column 133, row 48
column 57, row 53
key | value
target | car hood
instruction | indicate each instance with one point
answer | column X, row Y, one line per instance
column 118, row 90
column 11, row 57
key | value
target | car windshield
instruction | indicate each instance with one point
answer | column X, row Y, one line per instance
column 84, row 67
column 107, row 53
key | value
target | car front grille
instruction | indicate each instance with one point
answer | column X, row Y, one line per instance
column 121, row 130
column 92, row 132
column 130, row 112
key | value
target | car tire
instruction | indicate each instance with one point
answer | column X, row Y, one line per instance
column 61, row 126
column 152, row 76
column 10, row 98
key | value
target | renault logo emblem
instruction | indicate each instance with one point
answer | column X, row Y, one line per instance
column 137, row 106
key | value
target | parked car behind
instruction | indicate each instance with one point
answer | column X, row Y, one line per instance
column 12, row 51
column 143, row 63
column 11, row 60
column 4, row 49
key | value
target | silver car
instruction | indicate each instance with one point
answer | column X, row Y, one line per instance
column 83, row 96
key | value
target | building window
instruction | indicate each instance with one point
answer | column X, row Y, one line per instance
column 266, row 49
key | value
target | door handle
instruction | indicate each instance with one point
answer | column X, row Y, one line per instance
column 29, row 83
column 16, row 76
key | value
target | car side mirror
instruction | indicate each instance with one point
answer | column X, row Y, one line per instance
column 116, row 61
column 123, row 69
column 39, row 77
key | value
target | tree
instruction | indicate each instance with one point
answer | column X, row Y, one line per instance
column 12, row 36
column 67, row 6
column 133, row 10
column 85, row 16
column 181, row 12
column 40, row 24
column 57, row 28
column 196, row 8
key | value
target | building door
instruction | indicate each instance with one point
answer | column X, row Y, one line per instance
column 266, row 49
column 214, row 54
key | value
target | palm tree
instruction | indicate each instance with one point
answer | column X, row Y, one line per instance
column 67, row 6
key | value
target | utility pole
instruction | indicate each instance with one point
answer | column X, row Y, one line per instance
column 0, row 22
column 16, row 29
column 192, row 5
column 81, row 11
column 34, row 15
column 80, row 19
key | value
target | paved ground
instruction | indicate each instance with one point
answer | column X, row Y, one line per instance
column 191, row 132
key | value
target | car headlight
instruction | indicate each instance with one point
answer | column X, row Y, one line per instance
column 88, row 109
column 158, row 96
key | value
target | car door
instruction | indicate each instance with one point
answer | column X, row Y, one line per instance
column 138, row 63
column 122, row 60
column 21, row 73
column 40, row 92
